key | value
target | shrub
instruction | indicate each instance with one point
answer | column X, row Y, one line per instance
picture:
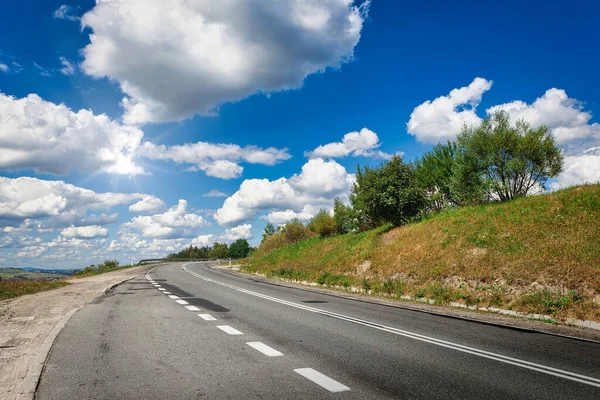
column 323, row 224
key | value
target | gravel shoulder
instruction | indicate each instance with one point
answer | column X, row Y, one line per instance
column 29, row 325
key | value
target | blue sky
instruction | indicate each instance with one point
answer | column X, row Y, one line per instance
column 282, row 77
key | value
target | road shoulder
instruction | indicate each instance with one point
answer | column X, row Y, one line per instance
column 29, row 325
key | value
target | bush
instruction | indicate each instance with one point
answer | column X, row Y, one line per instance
column 295, row 231
column 323, row 224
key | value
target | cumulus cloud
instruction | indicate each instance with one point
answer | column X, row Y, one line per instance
column 50, row 138
column 238, row 232
column 4, row 67
column 23, row 198
column 148, row 205
column 68, row 68
column 215, row 193
column 65, row 12
column 215, row 159
column 185, row 58
column 319, row 183
column 172, row 224
column 285, row 216
column 85, row 232
column 442, row 119
column 364, row 143
column 566, row 118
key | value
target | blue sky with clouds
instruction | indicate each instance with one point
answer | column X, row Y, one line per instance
column 118, row 118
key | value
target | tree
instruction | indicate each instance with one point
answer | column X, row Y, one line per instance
column 435, row 171
column 322, row 224
column 512, row 160
column 388, row 193
column 343, row 217
column 295, row 231
column 239, row 249
column 269, row 231
column 219, row 250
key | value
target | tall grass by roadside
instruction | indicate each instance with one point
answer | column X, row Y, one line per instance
column 535, row 254
column 16, row 288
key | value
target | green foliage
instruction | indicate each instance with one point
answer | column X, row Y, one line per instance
column 388, row 193
column 295, row 231
column 434, row 172
column 269, row 231
column 239, row 249
column 191, row 252
column 344, row 217
column 107, row 266
column 512, row 160
column 323, row 224
column 219, row 250
column 547, row 301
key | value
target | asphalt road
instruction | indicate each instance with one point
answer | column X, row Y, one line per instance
column 202, row 333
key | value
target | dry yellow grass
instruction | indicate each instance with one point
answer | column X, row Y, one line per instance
column 536, row 254
column 20, row 287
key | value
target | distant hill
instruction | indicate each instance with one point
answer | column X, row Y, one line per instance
column 34, row 273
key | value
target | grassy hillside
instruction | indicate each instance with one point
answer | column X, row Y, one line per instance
column 536, row 254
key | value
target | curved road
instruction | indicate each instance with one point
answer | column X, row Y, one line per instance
column 188, row 332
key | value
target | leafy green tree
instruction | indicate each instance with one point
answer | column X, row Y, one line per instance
column 343, row 217
column 512, row 159
column 295, row 231
column 219, row 250
column 239, row 249
column 435, row 171
column 323, row 224
column 388, row 193
column 268, row 231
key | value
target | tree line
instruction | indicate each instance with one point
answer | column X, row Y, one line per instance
column 238, row 249
column 492, row 162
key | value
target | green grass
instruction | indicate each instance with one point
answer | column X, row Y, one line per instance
column 531, row 254
column 16, row 288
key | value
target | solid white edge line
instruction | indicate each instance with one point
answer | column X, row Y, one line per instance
column 229, row 330
column 182, row 302
column 207, row 317
column 263, row 348
column 454, row 346
column 192, row 308
column 322, row 380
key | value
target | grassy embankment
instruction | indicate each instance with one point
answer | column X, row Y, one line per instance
column 20, row 287
column 538, row 254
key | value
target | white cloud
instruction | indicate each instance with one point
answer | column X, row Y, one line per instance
column 85, row 232
column 68, row 68
column 215, row 193
column 563, row 115
column 315, row 187
column 579, row 169
column 148, row 205
column 179, row 58
column 215, row 159
column 65, row 12
column 285, row 216
column 22, row 198
column 238, row 232
column 443, row 118
column 49, row 138
column 173, row 224
column 4, row 67
column 364, row 143
column 43, row 71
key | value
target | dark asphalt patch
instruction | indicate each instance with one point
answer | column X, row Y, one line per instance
column 206, row 304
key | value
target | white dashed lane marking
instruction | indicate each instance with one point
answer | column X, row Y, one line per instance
column 172, row 296
column 207, row 317
column 322, row 380
column 263, row 348
column 162, row 289
column 167, row 292
column 192, row 308
column 183, row 302
column 229, row 330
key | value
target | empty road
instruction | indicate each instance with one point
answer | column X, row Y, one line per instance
column 188, row 332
